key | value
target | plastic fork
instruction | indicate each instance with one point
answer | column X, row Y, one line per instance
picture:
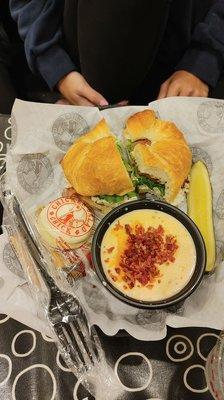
column 78, row 343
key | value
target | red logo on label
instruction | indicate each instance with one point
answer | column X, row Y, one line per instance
column 70, row 217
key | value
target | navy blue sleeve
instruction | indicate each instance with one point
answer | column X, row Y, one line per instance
column 205, row 56
column 39, row 24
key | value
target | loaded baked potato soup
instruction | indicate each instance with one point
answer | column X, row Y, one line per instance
column 148, row 255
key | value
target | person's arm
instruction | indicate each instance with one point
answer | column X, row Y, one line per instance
column 203, row 62
column 39, row 24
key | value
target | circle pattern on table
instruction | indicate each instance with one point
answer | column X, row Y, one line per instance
column 4, row 125
column 14, row 352
column 187, row 345
column 47, row 338
column 205, row 335
column 136, row 372
column 180, row 347
column 59, row 363
column 5, row 131
column 35, row 173
column 205, row 389
column 8, row 131
column 4, row 356
column 4, row 319
column 45, row 367
column 75, row 391
column 66, row 128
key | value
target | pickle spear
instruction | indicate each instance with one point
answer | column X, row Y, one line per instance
column 199, row 204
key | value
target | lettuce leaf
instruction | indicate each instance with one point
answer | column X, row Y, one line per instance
column 129, row 145
column 143, row 180
column 117, row 199
column 124, row 157
column 137, row 179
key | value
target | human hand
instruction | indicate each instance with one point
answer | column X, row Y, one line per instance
column 75, row 89
column 63, row 102
column 183, row 83
column 123, row 103
column 119, row 104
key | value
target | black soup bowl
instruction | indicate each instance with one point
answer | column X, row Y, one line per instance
column 174, row 212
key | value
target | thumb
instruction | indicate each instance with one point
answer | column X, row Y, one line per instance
column 95, row 97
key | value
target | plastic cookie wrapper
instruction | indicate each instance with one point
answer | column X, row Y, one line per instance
column 66, row 266
column 69, row 266
column 98, row 378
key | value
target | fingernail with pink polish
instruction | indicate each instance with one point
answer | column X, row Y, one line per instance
column 103, row 103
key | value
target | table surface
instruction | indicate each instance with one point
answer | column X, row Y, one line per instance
column 170, row 369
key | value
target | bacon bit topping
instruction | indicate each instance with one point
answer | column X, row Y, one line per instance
column 125, row 287
column 114, row 278
column 118, row 226
column 109, row 251
column 146, row 250
column 149, row 286
column 107, row 260
column 118, row 270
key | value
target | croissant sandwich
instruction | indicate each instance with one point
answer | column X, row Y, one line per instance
column 95, row 168
column 161, row 157
column 153, row 158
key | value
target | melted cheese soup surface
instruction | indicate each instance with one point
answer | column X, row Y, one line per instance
column 171, row 276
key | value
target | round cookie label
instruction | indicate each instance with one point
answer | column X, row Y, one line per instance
column 71, row 217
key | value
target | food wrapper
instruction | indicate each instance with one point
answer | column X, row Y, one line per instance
column 42, row 133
